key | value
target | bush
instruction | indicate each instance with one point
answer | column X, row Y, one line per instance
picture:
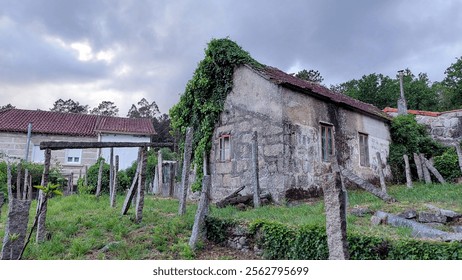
column 92, row 176
column 35, row 170
column 279, row 241
column 409, row 137
column 448, row 164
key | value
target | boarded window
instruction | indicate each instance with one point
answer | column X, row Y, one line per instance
column 73, row 156
column 363, row 150
column 225, row 148
column 327, row 142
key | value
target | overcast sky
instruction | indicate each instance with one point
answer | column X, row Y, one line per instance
column 122, row 51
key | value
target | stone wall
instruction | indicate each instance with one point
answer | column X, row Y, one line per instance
column 445, row 128
column 288, row 127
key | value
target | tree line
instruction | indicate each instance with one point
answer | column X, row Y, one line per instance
column 384, row 91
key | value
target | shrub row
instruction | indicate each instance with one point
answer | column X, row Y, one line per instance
column 279, row 241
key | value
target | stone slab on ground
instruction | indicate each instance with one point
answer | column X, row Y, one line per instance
column 427, row 217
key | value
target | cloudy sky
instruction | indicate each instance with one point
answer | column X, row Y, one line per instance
column 122, row 50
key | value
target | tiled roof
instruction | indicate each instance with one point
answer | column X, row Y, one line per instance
column 284, row 79
column 414, row 112
column 45, row 122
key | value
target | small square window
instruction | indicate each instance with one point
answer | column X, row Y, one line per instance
column 73, row 156
column 225, row 148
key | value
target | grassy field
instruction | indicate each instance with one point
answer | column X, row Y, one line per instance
column 84, row 227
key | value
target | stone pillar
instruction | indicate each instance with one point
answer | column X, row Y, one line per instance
column 434, row 171
column 26, row 185
column 133, row 188
column 114, row 182
column 334, row 201
column 42, row 203
column 255, row 175
column 85, row 176
column 155, row 182
column 185, row 173
column 159, row 171
column 408, row 171
column 18, row 181
column 383, row 185
column 100, row 176
column 2, row 200
column 459, row 154
column 15, row 229
column 111, row 173
column 141, row 183
column 425, row 172
column 418, row 165
column 202, row 210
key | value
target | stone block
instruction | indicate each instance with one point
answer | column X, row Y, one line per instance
column 224, row 167
column 426, row 217
column 408, row 214
column 273, row 150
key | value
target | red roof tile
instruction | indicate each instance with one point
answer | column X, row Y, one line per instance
column 284, row 79
column 414, row 112
column 45, row 122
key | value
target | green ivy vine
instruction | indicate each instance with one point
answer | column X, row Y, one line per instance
column 202, row 102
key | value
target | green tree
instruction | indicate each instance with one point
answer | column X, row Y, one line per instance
column 145, row 109
column 450, row 89
column 69, row 106
column 311, row 76
column 105, row 108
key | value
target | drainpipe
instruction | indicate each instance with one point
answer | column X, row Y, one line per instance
column 29, row 132
column 402, row 106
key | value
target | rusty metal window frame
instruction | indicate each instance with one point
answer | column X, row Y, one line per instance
column 327, row 141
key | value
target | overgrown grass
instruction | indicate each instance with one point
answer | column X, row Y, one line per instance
column 84, row 227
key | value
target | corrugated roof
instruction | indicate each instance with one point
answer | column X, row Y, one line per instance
column 45, row 122
column 284, row 79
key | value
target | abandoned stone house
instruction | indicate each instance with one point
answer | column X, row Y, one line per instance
column 445, row 127
column 55, row 126
column 300, row 125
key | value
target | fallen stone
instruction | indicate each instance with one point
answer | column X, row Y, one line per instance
column 408, row 214
column 107, row 247
column 375, row 221
column 360, row 211
column 435, row 225
column 457, row 229
column 426, row 217
column 448, row 213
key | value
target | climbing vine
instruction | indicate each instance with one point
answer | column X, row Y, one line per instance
column 203, row 100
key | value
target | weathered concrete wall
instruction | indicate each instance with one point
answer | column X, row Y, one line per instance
column 288, row 126
column 14, row 145
column 253, row 105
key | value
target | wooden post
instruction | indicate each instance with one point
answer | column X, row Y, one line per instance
column 100, row 177
column 202, row 210
column 18, row 181
column 255, row 175
column 185, row 173
column 41, row 230
column 459, row 154
column 111, row 173
column 114, row 182
column 418, row 165
column 336, row 224
column 426, row 173
column 408, row 171
column 383, row 185
column 141, row 183
column 159, row 171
